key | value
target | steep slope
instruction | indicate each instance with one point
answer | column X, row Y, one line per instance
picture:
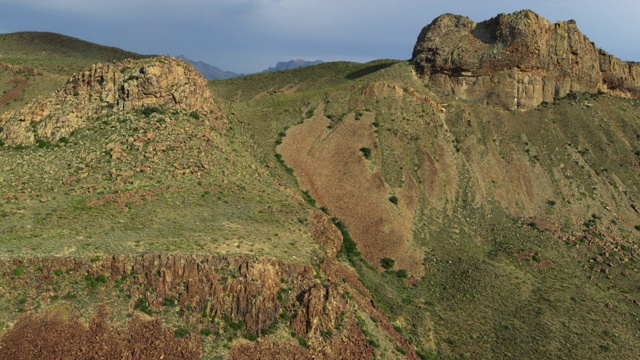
column 517, row 61
column 116, row 189
column 517, row 231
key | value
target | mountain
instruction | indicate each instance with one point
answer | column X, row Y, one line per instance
column 210, row 72
column 443, row 207
column 292, row 64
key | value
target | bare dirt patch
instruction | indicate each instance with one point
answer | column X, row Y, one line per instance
column 52, row 336
column 15, row 93
column 332, row 165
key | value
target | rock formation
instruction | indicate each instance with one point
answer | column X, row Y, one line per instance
column 517, row 61
column 163, row 83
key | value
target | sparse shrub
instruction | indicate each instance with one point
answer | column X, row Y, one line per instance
column 194, row 115
column 63, row 140
column 58, row 272
column 308, row 198
column 142, row 305
column 168, row 301
column 303, row 342
column 147, row 111
column 236, row 325
column 205, row 332
column 637, row 227
column 349, row 248
column 18, row 270
column 394, row 199
column 43, row 144
column 250, row 337
column 401, row 350
column 402, row 274
column 387, row 263
column 551, row 203
column 181, row 332
column 366, row 152
column 536, row 257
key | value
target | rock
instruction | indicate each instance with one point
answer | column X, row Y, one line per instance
column 517, row 61
column 153, row 84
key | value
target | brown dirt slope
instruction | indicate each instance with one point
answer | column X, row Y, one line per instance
column 332, row 166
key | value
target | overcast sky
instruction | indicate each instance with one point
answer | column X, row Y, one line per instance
column 252, row 35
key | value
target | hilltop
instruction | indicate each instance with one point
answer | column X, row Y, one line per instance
column 517, row 61
column 392, row 209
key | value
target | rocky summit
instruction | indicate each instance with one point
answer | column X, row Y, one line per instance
column 158, row 83
column 517, row 61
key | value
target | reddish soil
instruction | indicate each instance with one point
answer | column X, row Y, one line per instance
column 15, row 93
column 51, row 336
column 329, row 163
column 122, row 199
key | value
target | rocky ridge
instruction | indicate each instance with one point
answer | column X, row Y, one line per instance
column 517, row 61
column 157, row 83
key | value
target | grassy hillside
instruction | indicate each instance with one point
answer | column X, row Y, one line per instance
column 36, row 63
column 480, row 233
column 525, row 222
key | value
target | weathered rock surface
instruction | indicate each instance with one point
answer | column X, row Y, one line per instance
column 517, row 61
column 163, row 83
column 243, row 289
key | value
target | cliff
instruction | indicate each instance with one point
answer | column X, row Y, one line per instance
column 161, row 83
column 517, row 61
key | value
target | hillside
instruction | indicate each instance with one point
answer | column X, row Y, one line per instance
column 392, row 209
column 36, row 63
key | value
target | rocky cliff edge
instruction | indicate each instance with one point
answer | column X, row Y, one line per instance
column 516, row 61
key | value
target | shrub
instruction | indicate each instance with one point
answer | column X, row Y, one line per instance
column 150, row 110
column 637, row 227
column 168, row 301
column 18, row 270
column 194, row 115
column 181, row 332
column 387, row 263
column 205, row 332
column 402, row 274
column 142, row 305
column 394, row 199
column 250, row 337
column 366, row 152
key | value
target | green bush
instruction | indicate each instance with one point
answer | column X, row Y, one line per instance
column 402, row 274
column 18, row 270
column 142, row 305
column 394, row 199
column 637, row 227
column 181, row 332
column 366, row 152
column 387, row 263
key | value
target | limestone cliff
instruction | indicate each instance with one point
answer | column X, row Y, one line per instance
column 163, row 83
column 517, row 61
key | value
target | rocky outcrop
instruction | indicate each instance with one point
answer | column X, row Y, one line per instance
column 254, row 292
column 157, row 83
column 517, row 61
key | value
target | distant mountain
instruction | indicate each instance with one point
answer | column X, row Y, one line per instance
column 209, row 71
column 292, row 64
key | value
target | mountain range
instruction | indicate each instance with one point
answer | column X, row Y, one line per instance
column 480, row 200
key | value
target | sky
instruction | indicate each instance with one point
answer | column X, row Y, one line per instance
column 246, row 36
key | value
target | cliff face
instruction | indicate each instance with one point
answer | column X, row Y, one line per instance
column 517, row 61
column 163, row 83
